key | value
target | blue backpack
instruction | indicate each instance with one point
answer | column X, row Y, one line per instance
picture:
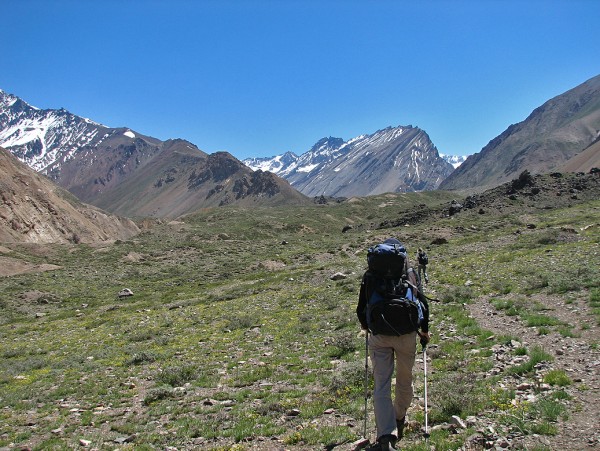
column 393, row 307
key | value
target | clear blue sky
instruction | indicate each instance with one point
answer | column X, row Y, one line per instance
column 260, row 77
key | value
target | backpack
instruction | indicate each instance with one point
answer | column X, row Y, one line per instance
column 423, row 259
column 393, row 305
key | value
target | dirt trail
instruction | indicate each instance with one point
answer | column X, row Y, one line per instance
column 576, row 356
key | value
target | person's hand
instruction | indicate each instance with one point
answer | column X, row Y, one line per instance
column 425, row 337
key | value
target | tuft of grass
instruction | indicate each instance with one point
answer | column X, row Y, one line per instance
column 561, row 395
column 567, row 331
column 543, row 428
column 539, row 320
column 536, row 355
column 542, row 330
column 549, row 409
column 558, row 377
column 512, row 307
column 539, row 417
column 520, row 351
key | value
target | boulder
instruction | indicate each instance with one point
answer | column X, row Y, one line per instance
column 125, row 292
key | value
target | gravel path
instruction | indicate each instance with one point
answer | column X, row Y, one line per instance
column 578, row 356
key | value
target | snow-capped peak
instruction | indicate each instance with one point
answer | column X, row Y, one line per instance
column 454, row 160
column 40, row 138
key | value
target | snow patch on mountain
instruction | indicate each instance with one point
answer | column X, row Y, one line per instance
column 6, row 100
column 454, row 160
column 307, row 168
column 272, row 164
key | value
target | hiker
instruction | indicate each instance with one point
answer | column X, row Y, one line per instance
column 423, row 261
column 385, row 345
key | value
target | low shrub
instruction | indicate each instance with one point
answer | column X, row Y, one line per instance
column 177, row 376
column 141, row 358
column 463, row 399
column 458, row 294
column 342, row 344
column 350, row 376
column 158, row 394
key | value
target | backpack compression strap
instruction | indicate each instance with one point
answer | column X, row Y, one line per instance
column 420, row 293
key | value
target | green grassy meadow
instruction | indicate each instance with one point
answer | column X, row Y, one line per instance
column 237, row 338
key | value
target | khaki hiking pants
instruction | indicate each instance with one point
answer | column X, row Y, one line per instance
column 422, row 270
column 382, row 350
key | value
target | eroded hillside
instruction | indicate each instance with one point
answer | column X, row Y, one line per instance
column 34, row 210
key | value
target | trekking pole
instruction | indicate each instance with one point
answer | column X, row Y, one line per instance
column 366, row 379
column 424, row 345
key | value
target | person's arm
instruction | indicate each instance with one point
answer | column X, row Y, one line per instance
column 361, row 308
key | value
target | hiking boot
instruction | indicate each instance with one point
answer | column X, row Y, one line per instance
column 387, row 442
column 400, row 425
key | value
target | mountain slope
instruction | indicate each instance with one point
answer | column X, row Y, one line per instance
column 128, row 173
column 396, row 159
column 552, row 134
column 180, row 180
column 584, row 161
column 34, row 210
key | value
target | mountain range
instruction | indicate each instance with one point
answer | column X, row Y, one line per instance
column 134, row 175
column 395, row 159
column 128, row 173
